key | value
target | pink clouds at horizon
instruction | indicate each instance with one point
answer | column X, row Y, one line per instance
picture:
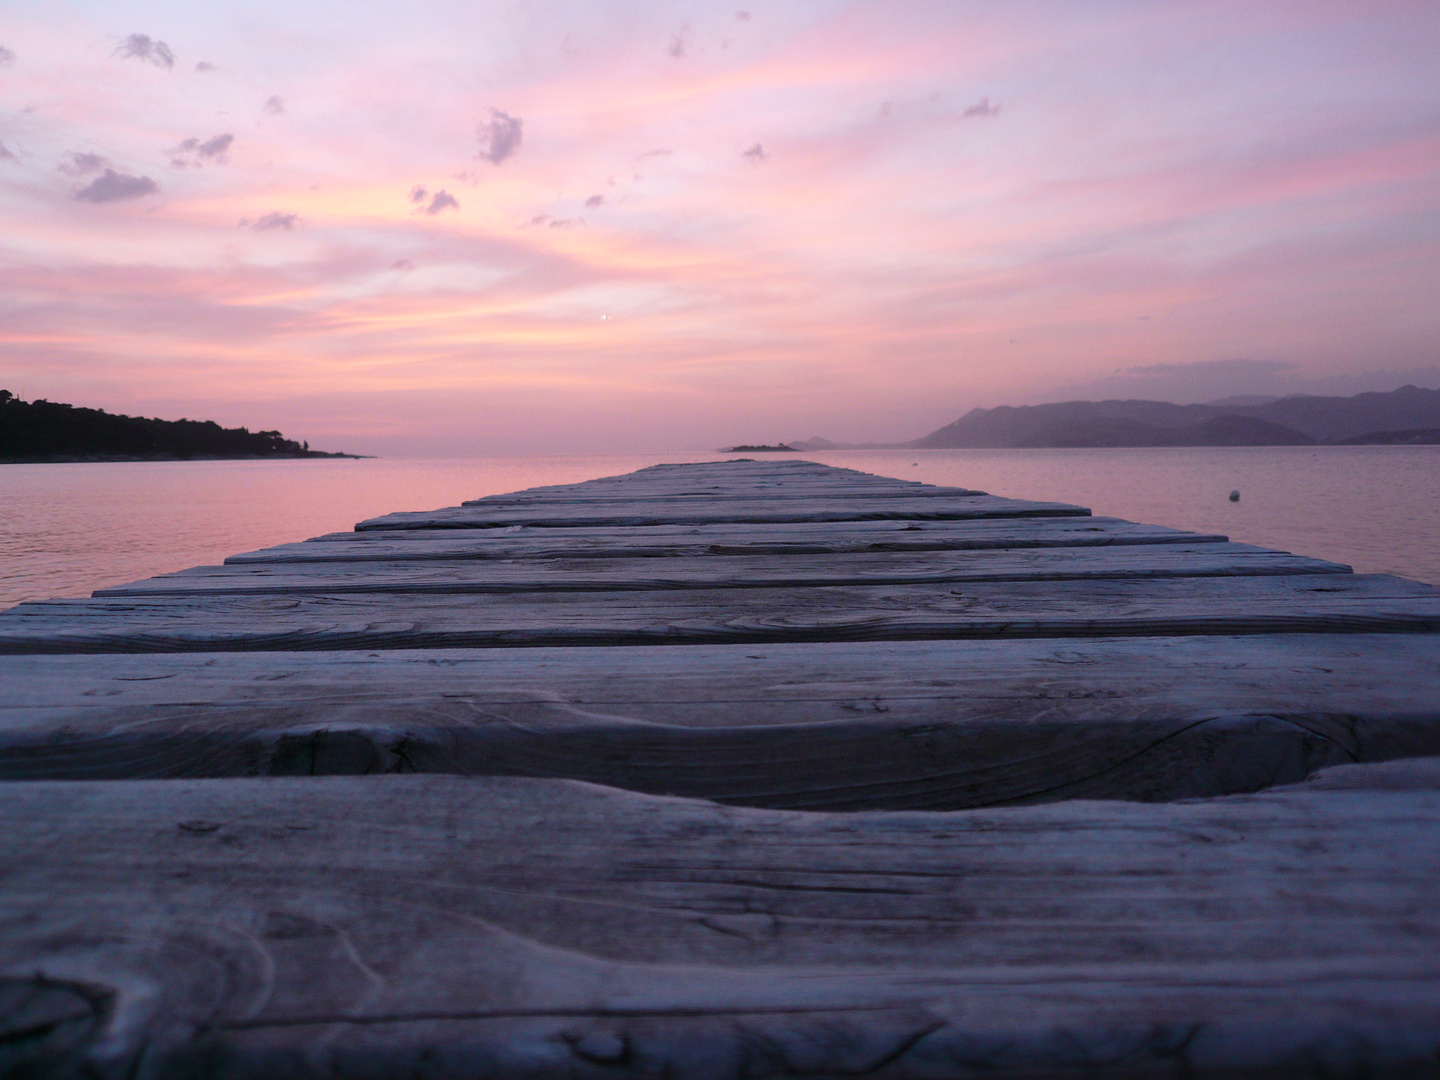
column 951, row 205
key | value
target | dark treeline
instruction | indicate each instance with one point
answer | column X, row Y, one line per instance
column 51, row 431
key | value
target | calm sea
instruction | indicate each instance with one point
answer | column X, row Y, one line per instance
column 68, row 529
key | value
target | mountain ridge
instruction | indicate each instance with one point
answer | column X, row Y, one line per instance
column 1297, row 420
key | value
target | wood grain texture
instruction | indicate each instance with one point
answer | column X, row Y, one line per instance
column 736, row 685
column 745, row 478
column 939, row 725
column 1332, row 603
column 738, row 491
column 430, row 927
column 666, row 862
column 643, row 512
column 730, row 571
column 836, row 537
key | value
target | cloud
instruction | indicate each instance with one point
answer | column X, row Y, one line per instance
column 7, row 56
column 743, row 16
column 274, row 105
column 662, row 152
column 272, row 220
column 79, row 163
column 402, row 265
column 143, row 47
column 755, row 153
column 6, row 154
column 1197, row 380
column 442, row 200
column 1212, row 367
column 561, row 223
column 593, row 201
column 205, row 65
column 982, row 108
column 418, row 194
column 112, row 187
column 677, row 43
column 216, row 146
column 500, row 138
column 194, row 152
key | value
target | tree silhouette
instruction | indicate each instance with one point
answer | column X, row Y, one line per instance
column 39, row 430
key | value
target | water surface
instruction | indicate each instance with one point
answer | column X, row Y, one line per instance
column 68, row 529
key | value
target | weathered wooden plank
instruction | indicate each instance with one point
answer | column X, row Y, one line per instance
column 734, row 685
column 749, row 484
column 936, row 725
column 641, row 512
column 497, row 926
column 698, row 540
column 1330, row 603
column 728, row 571
column 728, row 475
column 683, row 494
column 730, row 468
column 429, row 927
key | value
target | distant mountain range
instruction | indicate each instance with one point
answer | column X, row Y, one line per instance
column 44, row 431
column 1407, row 415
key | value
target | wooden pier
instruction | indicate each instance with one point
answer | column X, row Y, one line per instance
column 727, row 770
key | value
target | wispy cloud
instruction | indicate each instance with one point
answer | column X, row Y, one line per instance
column 195, row 152
column 856, row 272
column 147, row 49
column 7, row 56
column 272, row 220
column 82, row 163
column 499, row 136
column 678, row 43
column 1196, row 380
column 204, row 66
column 111, row 186
column 442, row 200
column 6, row 154
column 1239, row 366
column 593, row 201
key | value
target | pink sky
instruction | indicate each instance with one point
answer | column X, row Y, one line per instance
column 669, row 226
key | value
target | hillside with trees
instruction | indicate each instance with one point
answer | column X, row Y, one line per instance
column 42, row 431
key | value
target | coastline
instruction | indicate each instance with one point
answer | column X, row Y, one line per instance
column 92, row 459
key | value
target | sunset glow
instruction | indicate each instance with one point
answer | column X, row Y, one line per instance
column 455, row 228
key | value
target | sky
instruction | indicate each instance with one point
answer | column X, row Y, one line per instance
column 448, row 228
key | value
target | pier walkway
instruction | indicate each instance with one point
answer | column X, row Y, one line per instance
column 737, row 769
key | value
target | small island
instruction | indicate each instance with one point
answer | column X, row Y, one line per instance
column 778, row 448
column 43, row 431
